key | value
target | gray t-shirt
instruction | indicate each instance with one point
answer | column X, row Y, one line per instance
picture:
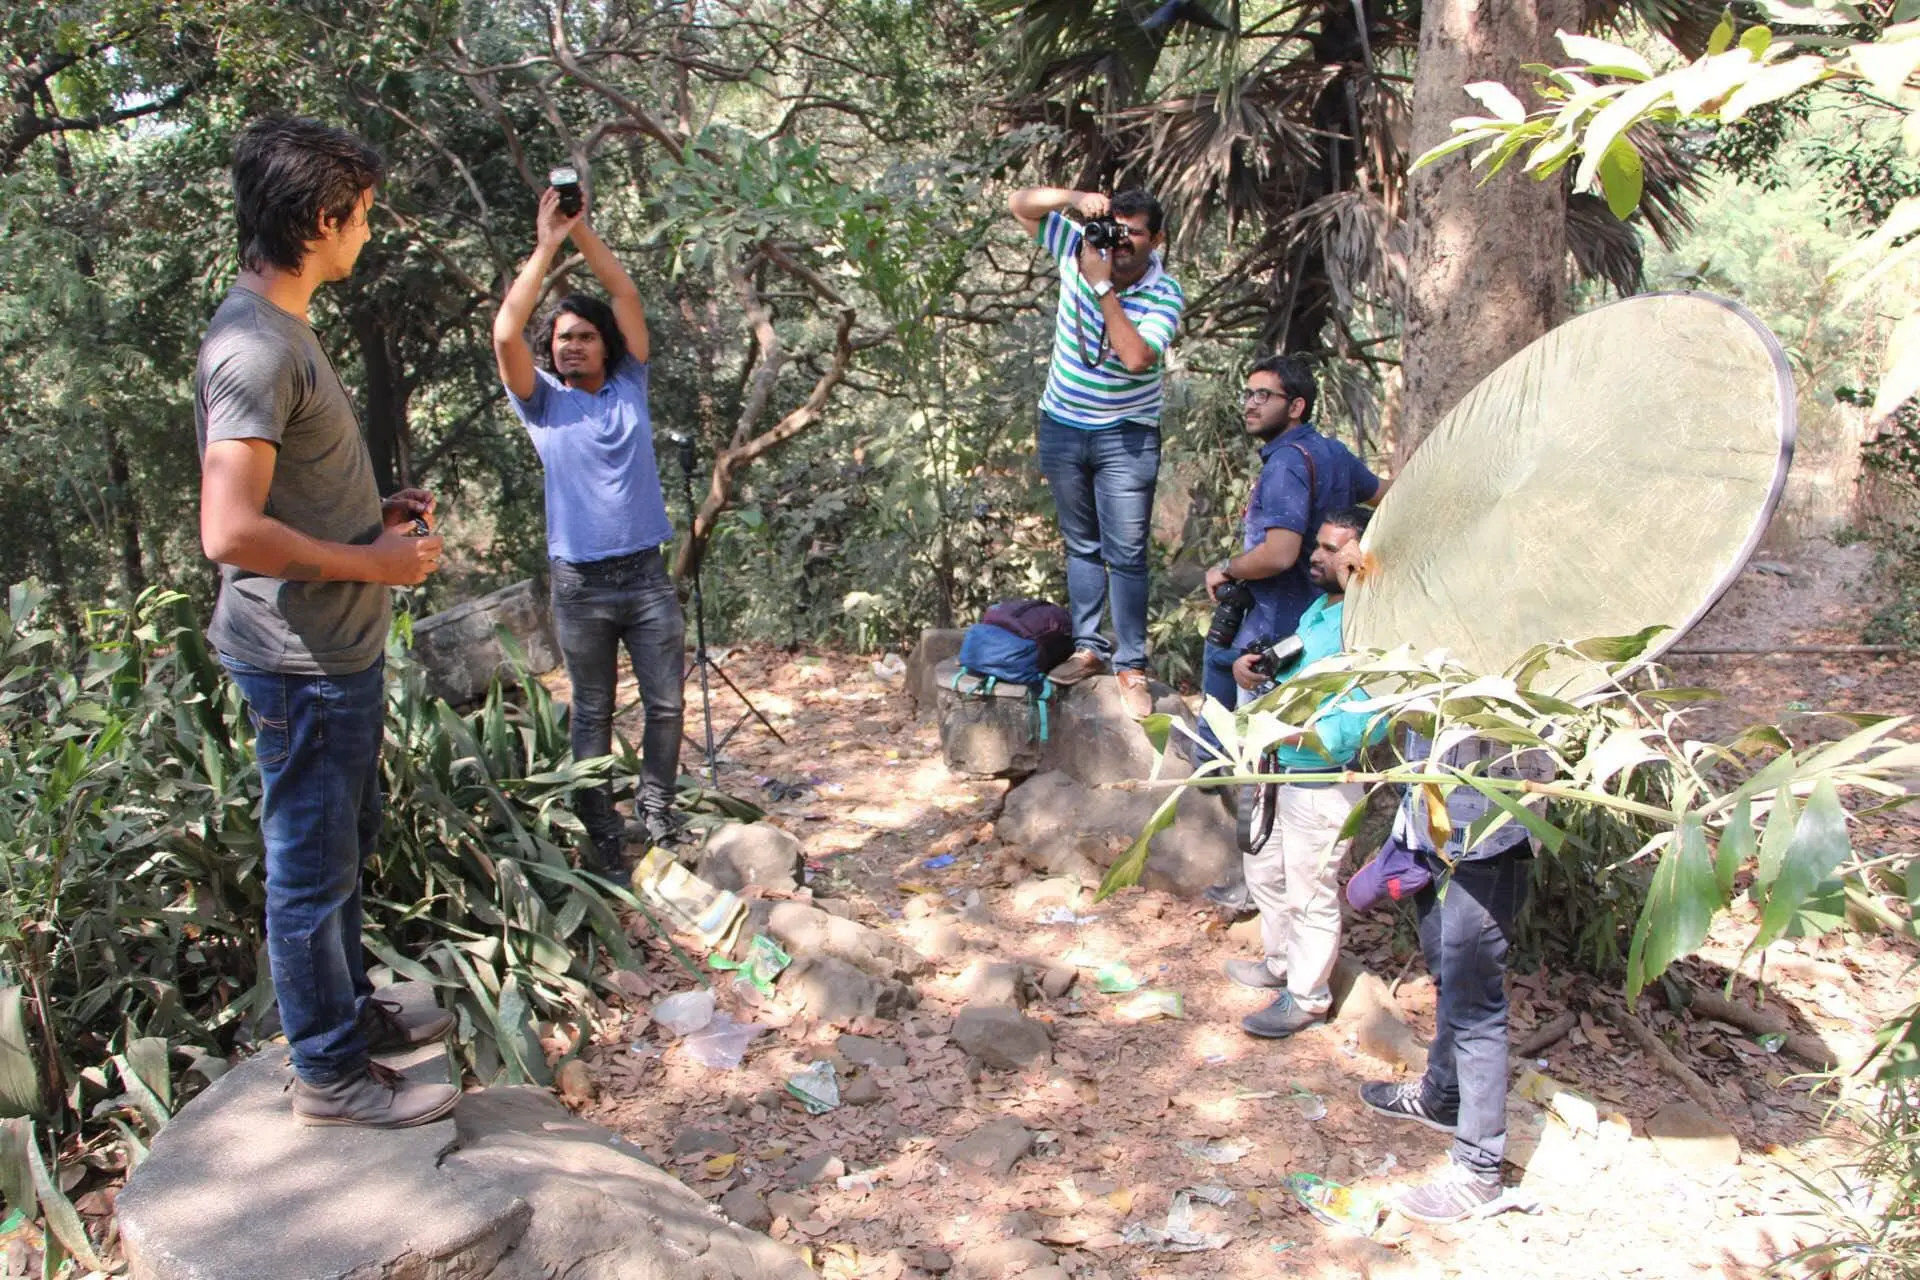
column 263, row 375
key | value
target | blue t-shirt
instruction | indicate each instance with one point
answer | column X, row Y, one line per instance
column 603, row 484
column 1280, row 500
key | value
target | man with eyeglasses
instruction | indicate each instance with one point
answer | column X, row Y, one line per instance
column 1099, row 432
column 1304, row 476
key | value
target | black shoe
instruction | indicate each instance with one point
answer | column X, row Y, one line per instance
column 606, row 857
column 1233, row 898
column 1405, row 1100
column 664, row 827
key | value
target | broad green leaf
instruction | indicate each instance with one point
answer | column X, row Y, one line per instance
column 1820, row 844
column 1756, row 40
column 16, row 1170
column 1619, row 648
column 1900, row 367
column 1158, row 727
column 1771, row 84
column 1710, row 79
column 1498, row 99
column 1738, row 843
column 1774, row 843
column 1722, row 35
column 1886, row 63
column 1622, row 177
column 1605, row 58
column 19, row 1076
column 1548, row 834
column 1129, row 866
column 63, row 1220
column 1679, row 909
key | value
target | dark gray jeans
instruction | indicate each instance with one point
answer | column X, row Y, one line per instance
column 1465, row 933
column 598, row 606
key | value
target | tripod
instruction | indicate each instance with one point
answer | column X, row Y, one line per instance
column 702, row 660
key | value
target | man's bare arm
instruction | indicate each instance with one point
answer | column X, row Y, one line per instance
column 235, row 529
column 511, row 354
column 622, row 295
column 1031, row 205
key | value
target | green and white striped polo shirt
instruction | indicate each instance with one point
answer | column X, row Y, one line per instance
column 1087, row 385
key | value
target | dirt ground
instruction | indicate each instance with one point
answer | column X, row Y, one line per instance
column 863, row 786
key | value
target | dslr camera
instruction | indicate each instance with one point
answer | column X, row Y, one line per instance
column 1231, row 600
column 1103, row 233
column 1269, row 660
column 566, row 180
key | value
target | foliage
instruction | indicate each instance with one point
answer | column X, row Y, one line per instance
column 131, row 958
column 1592, row 108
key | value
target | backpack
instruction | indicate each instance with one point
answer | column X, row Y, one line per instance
column 1016, row 642
column 1041, row 621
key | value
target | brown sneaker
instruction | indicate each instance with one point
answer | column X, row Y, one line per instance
column 1083, row 663
column 375, row 1098
column 390, row 1028
column 1134, row 694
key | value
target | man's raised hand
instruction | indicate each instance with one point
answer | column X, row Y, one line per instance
column 552, row 226
column 1090, row 204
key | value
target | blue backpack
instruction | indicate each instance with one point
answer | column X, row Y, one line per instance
column 994, row 653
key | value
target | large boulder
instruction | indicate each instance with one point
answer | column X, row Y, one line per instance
column 808, row 931
column 989, row 730
column 460, row 647
column 937, row 644
column 512, row 1187
column 1059, row 823
column 738, row 854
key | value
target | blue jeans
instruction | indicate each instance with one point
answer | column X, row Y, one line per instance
column 1216, row 682
column 598, row 606
column 317, row 740
column 1102, row 484
column 1465, row 934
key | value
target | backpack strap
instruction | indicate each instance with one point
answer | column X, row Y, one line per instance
column 1313, row 486
column 1040, row 700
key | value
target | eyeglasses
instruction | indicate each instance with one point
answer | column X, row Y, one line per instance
column 1258, row 396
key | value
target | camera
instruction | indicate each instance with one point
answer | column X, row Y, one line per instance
column 1231, row 601
column 1103, row 233
column 418, row 527
column 566, row 180
column 1270, row 659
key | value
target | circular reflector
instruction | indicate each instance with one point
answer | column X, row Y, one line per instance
column 1614, row 475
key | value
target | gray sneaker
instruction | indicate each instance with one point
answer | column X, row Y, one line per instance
column 1280, row 1019
column 1254, row 973
column 1454, row 1195
column 1405, row 1100
column 374, row 1098
column 390, row 1028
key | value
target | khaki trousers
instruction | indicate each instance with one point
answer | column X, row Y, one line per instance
column 1292, row 876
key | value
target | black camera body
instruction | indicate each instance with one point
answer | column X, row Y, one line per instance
column 1231, row 600
column 1269, row 660
column 1103, row 233
column 566, row 180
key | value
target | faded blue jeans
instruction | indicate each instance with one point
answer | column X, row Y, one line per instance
column 1465, row 933
column 317, row 740
column 598, row 606
column 1102, row 484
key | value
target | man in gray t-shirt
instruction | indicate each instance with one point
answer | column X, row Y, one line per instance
column 307, row 550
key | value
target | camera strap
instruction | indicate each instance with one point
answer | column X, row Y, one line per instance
column 1100, row 347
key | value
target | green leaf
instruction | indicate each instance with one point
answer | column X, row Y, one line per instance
column 1722, row 35
column 1615, row 119
column 19, row 1077
column 1619, row 648
column 1679, row 908
column 1548, row 834
column 1820, row 844
column 1737, row 844
column 1129, row 866
column 1605, row 58
column 1622, row 178
column 1773, row 83
column 1158, row 727
column 16, row 1170
column 1498, row 99
column 1774, row 843
column 1756, row 40
column 63, row 1220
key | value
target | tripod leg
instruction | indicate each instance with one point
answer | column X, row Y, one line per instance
column 740, row 694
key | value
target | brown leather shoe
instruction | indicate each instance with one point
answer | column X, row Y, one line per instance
column 374, row 1098
column 1134, row 694
column 389, row 1028
column 1083, row 664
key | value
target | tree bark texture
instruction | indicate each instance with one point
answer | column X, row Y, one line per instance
column 1486, row 272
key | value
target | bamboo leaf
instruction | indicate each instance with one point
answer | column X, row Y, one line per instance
column 16, row 1171
column 63, row 1220
column 1679, row 908
column 19, row 1076
column 1738, row 844
column 1549, row 835
column 1129, row 866
column 1820, row 844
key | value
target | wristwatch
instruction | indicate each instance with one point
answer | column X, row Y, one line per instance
column 1101, row 288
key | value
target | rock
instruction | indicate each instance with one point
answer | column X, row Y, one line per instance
column 1060, row 821
column 937, row 644
column 574, row 1083
column 1245, row 936
column 784, row 1204
column 940, row 940
column 1003, row 1259
column 834, row 991
column 995, row 1146
column 1691, row 1139
column 860, row 1091
column 987, row 733
column 689, row 1141
column 744, row 1206
column 1382, row 1035
column 513, row 1187
column 867, row 1052
column 1004, row 1039
column 809, row 931
column 460, row 648
column 1054, row 1272
column 1058, row 979
column 820, row 1168
column 990, row 982
column 737, row 854
column 1030, row 896
column 936, row 1261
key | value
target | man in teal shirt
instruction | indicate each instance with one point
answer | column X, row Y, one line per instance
column 1293, row 852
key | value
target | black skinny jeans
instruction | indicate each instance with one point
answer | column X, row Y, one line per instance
column 1465, row 934
column 598, row 606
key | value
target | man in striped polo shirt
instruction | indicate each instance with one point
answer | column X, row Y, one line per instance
column 1100, row 418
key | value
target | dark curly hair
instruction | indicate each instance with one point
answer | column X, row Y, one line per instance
column 594, row 312
column 292, row 178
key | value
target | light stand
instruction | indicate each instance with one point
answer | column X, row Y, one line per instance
column 702, row 660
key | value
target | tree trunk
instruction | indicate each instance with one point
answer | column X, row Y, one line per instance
column 133, row 577
column 387, row 394
column 1486, row 271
